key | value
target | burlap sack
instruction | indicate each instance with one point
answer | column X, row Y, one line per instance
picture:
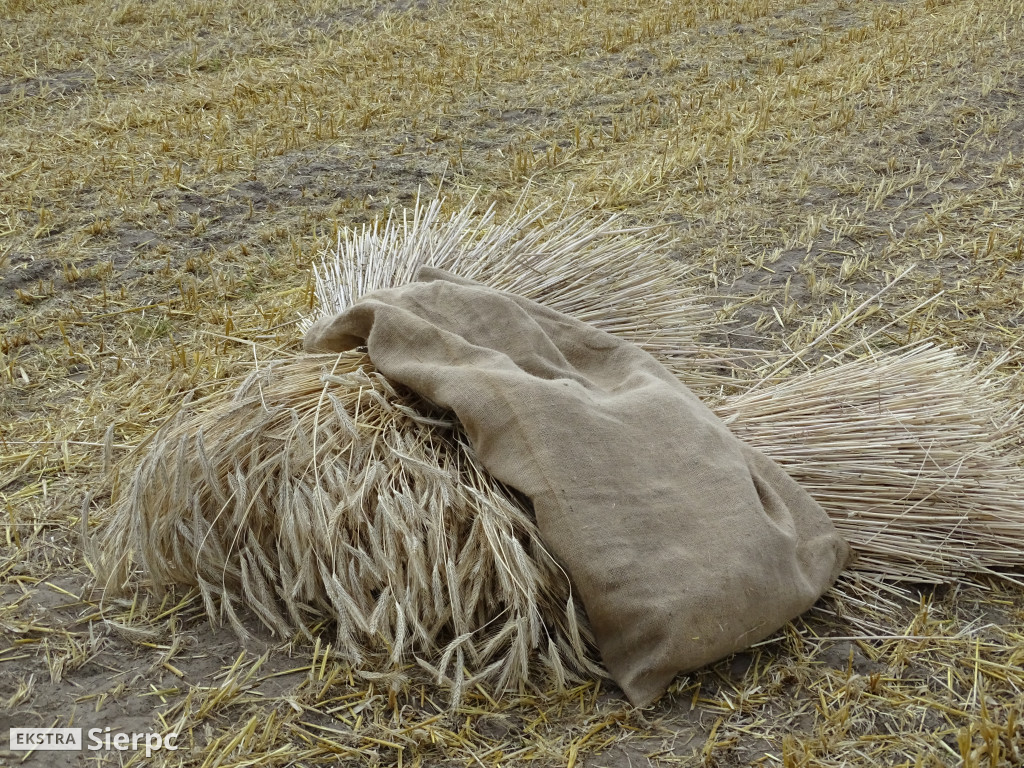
column 684, row 543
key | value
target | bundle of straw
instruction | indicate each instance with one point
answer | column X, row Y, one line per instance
column 616, row 278
column 321, row 491
column 915, row 455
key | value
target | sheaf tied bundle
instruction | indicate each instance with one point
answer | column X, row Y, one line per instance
column 320, row 491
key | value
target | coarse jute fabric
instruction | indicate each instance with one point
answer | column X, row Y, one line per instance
column 684, row 543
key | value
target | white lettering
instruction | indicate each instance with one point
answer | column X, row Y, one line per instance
column 52, row 739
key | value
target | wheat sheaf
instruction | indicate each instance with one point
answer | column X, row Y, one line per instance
column 322, row 498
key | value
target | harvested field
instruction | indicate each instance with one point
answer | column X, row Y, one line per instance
column 842, row 176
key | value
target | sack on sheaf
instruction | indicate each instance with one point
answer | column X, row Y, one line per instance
column 683, row 543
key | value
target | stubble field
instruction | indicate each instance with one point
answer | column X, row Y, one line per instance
column 169, row 171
